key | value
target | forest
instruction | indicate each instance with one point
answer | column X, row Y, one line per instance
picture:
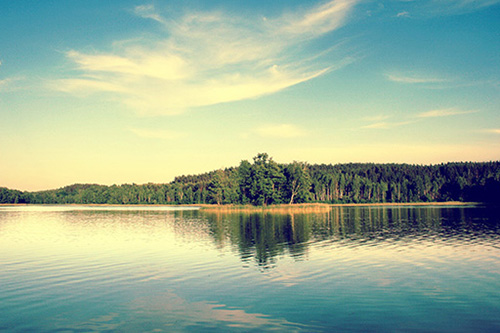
column 266, row 182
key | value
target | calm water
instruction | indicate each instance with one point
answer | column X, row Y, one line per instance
column 159, row 269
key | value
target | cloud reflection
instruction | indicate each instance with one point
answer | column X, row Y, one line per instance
column 177, row 313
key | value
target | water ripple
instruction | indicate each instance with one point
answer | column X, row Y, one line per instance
column 364, row 269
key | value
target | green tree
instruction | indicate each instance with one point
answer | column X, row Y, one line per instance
column 266, row 181
column 298, row 182
column 216, row 187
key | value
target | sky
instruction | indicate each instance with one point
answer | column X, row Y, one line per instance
column 114, row 92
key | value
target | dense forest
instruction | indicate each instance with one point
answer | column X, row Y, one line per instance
column 266, row 182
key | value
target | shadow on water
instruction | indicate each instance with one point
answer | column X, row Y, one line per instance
column 264, row 236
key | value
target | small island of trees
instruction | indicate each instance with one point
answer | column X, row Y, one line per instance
column 266, row 182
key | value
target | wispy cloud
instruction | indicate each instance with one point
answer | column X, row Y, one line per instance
column 376, row 118
column 444, row 113
column 382, row 122
column 4, row 83
column 208, row 58
column 157, row 134
column 436, row 82
column 318, row 20
column 413, row 78
column 10, row 84
column 280, row 131
column 403, row 14
column 7, row 84
column 149, row 12
column 426, row 8
column 386, row 124
column 460, row 6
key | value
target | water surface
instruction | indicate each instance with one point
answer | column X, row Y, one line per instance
column 82, row 268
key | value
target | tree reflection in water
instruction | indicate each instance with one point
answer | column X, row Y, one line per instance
column 265, row 235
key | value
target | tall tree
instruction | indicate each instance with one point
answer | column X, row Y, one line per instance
column 298, row 182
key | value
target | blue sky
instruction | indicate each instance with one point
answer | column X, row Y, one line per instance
column 115, row 92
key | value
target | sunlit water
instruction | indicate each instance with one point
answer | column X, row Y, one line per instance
column 70, row 268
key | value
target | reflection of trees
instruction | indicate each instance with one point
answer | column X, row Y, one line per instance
column 392, row 221
column 264, row 236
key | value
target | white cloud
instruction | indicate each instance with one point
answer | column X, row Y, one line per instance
column 386, row 125
column 403, row 14
column 319, row 20
column 377, row 118
column 380, row 121
column 4, row 82
column 148, row 11
column 432, row 8
column 443, row 113
column 413, row 79
column 463, row 5
column 83, row 87
column 134, row 63
column 208, row 58
column 10, row 84
column 435, row 82
column 280, row 131
column 157, row 134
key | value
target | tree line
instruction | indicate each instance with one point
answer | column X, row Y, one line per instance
column 265, row 182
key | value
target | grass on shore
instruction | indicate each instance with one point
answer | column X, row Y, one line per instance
column 305, row 207
column 319, row 207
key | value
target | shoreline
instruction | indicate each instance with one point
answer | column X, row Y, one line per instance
column 312, row 207
column 280, row 206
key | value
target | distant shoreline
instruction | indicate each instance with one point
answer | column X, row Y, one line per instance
column 323, row 206
column 279, row 206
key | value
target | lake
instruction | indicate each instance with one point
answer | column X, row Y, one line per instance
column 153, row 269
